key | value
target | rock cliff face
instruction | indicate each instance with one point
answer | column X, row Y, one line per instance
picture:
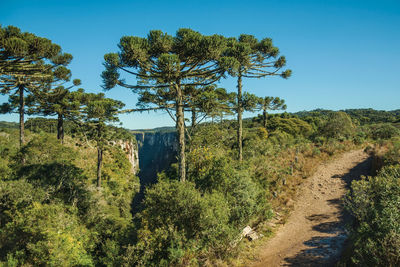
column 157, row 150
column 132, row 152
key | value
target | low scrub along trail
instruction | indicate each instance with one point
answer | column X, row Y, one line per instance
column 314, row 234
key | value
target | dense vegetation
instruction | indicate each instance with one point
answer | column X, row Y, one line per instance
column 51, row 212
column 374, row 203
column 66, row 189
column 196, row 222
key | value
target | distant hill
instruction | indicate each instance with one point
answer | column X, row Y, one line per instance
column 165, row 129
column 7, row 124
column 364, row 116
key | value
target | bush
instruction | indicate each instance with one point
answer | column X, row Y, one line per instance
column 45, row 148
column 51, row 175
column 292, row 126
column 8, row 150
column 212, row 173
column 46, row 234
column 339, row 126
column 384, row 131
column 177, row 221
column 374, row 202
column 392, row 155
column 16, row 196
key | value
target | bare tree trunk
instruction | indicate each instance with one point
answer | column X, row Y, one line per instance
column 60, row 128
column 21, row 116
column 239, row 116
column 99, row 164
column 180, row 127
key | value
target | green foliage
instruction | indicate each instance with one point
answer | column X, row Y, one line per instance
column 383, row 131
column 339, row 125
column 47, row 234
column 179, row 221
column 392, row 155
column 51, row 181
column 363, row 116
column 16, row 196
column 35, row 152
column 371, row 116
column 8, row 125
column 27, row 64
column 211, row 173
column 374, row 202
column 8, row 150
column 292, row 126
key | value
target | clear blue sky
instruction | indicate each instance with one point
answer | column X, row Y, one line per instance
column 343, row 53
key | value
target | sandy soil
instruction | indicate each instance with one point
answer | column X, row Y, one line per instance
column 314, row 234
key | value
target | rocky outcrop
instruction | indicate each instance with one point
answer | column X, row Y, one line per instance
column 132, row 152
column 157, row 150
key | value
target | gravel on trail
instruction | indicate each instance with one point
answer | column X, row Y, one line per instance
column 314, row 234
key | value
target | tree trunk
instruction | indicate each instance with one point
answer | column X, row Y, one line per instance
column 60, row 128
column 180, row 127
column 239, row 116
column 99, row 164
column 193, row 118
column 265, row 118
column 21, row 116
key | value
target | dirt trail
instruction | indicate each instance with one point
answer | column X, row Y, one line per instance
column 314, row 233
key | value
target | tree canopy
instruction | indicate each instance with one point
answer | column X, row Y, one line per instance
column 164, row 66
column 251, row 58
column 26, row 63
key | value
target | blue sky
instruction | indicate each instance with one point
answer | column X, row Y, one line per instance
column 344, row 54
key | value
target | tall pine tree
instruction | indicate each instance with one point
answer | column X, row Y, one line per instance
column 26, row 62
column 97, row 112
column 251, row 58
column 165, row 65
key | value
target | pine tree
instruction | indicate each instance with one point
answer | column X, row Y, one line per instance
column 270, row 103
column 251, row 58
column 164, row 66
column 26, row 62
column 97, row 112
column 206, row 101
column 58, row 100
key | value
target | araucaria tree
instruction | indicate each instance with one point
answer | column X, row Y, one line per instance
column 270, row 103
column 164, row 66
column 97, row 112
column 251, row 58
column 58, row 100
column 205, row 102
column 26, row 62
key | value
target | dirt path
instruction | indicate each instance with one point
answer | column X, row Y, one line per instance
column 314, row 233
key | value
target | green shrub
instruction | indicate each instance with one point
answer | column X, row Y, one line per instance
column 46, row 235
column 16, row 196
column 8, row 150
column 51, row 175
column 293, row 126
column 177, row 221
column 392, row 156
column 384, row 131
column 211, row 173
column 339, row 126
column 374, row 202
column 45, row 148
